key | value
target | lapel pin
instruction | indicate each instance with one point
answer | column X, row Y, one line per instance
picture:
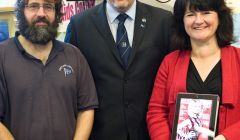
column 144, row 20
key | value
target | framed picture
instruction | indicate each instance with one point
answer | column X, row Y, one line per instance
column 4, row 31
column 7, row 23
column 195, row 116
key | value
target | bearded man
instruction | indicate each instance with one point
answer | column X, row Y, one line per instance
column 46, row 87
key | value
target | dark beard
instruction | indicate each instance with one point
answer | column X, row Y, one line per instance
column 40, row 35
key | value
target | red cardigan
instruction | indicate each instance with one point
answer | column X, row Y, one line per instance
column 171, row 79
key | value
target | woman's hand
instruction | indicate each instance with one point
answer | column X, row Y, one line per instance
column 220, row 137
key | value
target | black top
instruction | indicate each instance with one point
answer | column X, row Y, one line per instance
column 41, row 102
column 212, row 84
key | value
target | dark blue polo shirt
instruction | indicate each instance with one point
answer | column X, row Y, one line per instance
column 41, row 102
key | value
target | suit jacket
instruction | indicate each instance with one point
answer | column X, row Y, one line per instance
column 123, row 93
column 171, row 79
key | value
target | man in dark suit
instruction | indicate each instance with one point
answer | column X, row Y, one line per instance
column 123, row 86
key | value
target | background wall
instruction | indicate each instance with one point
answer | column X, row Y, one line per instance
column 168, row 6
column 7, row 3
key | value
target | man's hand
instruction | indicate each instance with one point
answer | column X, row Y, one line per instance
column 220, row 137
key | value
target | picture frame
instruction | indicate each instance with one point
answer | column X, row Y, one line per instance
column 195, row 116
column 4, row 30
column 7, row 22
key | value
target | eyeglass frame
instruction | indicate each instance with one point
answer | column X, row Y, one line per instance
column 47, row 7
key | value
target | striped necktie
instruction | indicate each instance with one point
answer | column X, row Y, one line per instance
column 122, row 39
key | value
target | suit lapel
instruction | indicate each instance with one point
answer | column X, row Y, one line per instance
column 141, row 22
column 101, row 23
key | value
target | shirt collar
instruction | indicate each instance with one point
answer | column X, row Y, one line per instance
column 56, row 46
column 112, row 13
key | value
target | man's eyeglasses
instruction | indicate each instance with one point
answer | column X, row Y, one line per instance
column 34, row 7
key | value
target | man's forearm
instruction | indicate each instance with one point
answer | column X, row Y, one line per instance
column 84, row 125
column 5, row 133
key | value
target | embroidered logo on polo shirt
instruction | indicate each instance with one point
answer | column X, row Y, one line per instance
column 67, row 69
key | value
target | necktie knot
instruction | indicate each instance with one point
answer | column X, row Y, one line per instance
column 122, row 17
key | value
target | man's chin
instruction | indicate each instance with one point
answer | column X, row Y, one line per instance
column 121, row 6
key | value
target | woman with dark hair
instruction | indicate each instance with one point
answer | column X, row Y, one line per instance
column 204, row 63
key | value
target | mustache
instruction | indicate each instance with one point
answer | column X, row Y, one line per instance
column 40, row 19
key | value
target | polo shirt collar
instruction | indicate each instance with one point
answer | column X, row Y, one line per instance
column 56, row 46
